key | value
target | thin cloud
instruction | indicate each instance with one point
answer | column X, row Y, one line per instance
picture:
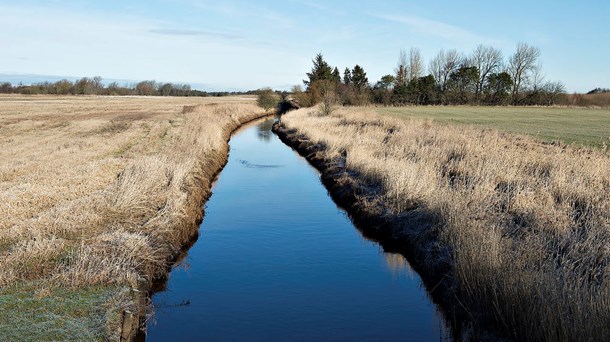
column 182, row 32
column 438, row 29
column 313, row 5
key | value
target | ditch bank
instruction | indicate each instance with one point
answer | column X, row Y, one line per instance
column 134, row 318
column 411, row 233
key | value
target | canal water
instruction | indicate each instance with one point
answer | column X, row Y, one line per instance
column 276, row 259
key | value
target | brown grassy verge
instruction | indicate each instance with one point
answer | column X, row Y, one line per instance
column 515, row 231
column 104, row 191
column 587, row 100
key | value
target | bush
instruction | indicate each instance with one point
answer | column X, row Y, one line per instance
column 267, row 98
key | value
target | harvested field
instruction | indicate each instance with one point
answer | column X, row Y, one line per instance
column 516, row 229
column 104, row 191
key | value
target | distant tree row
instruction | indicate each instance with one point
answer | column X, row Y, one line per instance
column 481, row 77
column 94, row 86
column 598, row 91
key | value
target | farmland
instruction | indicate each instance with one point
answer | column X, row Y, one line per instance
column 582, row 126
column 98, row 194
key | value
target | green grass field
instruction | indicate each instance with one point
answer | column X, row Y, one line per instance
column 589, row 127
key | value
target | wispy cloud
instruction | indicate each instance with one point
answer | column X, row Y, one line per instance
column 312, row 4
column 183, row 32
column 243, row 10
column 438, row 29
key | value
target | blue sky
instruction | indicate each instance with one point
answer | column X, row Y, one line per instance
column 226, row 45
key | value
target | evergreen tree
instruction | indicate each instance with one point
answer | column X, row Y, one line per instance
column 382, row 91
column 336, row 76
column 347, row 76
column 497, row 88
column 359, row 79
column 462, row 84
column 401, row 76
column 320, row 71
column 426, row 92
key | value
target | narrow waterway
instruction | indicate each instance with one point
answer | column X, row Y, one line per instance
column 277, row 260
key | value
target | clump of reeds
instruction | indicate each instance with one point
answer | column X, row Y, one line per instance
column 526, row 224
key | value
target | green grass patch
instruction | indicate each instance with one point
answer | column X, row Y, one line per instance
column 582, row 126
column 30, row 313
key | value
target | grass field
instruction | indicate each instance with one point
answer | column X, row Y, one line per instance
column 523, row 226
column 97, row 193
column 585, row 126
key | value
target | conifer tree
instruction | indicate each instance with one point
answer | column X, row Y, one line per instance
column 347, row 76
column 320, row 71
column 336, row 76
column 359, row 79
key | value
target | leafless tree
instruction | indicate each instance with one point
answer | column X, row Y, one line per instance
column 443, row 64
column 435, row 68
column 401, row 68
column 488, row 60
column 553, row 90
column 415, row 68
column 520, row 66
column 97, row 84
column 536, row 80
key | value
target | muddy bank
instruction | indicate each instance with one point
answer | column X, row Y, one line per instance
column 134, row 318
column 411, row 234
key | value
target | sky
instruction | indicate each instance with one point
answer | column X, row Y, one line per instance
column 240, row 45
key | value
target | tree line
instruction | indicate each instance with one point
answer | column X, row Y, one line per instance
column 95, row 86
column 482, row 77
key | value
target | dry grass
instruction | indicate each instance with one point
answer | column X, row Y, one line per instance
column 587, row 100
column 525, row 225
column 102, row 191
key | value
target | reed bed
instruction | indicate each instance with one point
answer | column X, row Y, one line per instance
column 520, row 227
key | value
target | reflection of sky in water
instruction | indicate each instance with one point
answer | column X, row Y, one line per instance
column 263, row 130
column 277, row 260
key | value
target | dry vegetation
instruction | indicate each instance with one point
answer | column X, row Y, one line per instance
column 521, row 227
column 103, row 191
column 587, row 100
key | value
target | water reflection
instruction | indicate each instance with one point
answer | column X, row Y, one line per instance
column 263, row 130
column 398, row 265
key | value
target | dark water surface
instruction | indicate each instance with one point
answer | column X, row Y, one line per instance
column 277, row 260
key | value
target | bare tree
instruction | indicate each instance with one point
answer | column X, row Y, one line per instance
column 97, row 84
column 520, row 65
column 553, row 90
column 330, row 100
column 488, row 60
column 435, row 68
column 401, row 69
column 536, row 80
column 415, row 68
column 443, row 65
